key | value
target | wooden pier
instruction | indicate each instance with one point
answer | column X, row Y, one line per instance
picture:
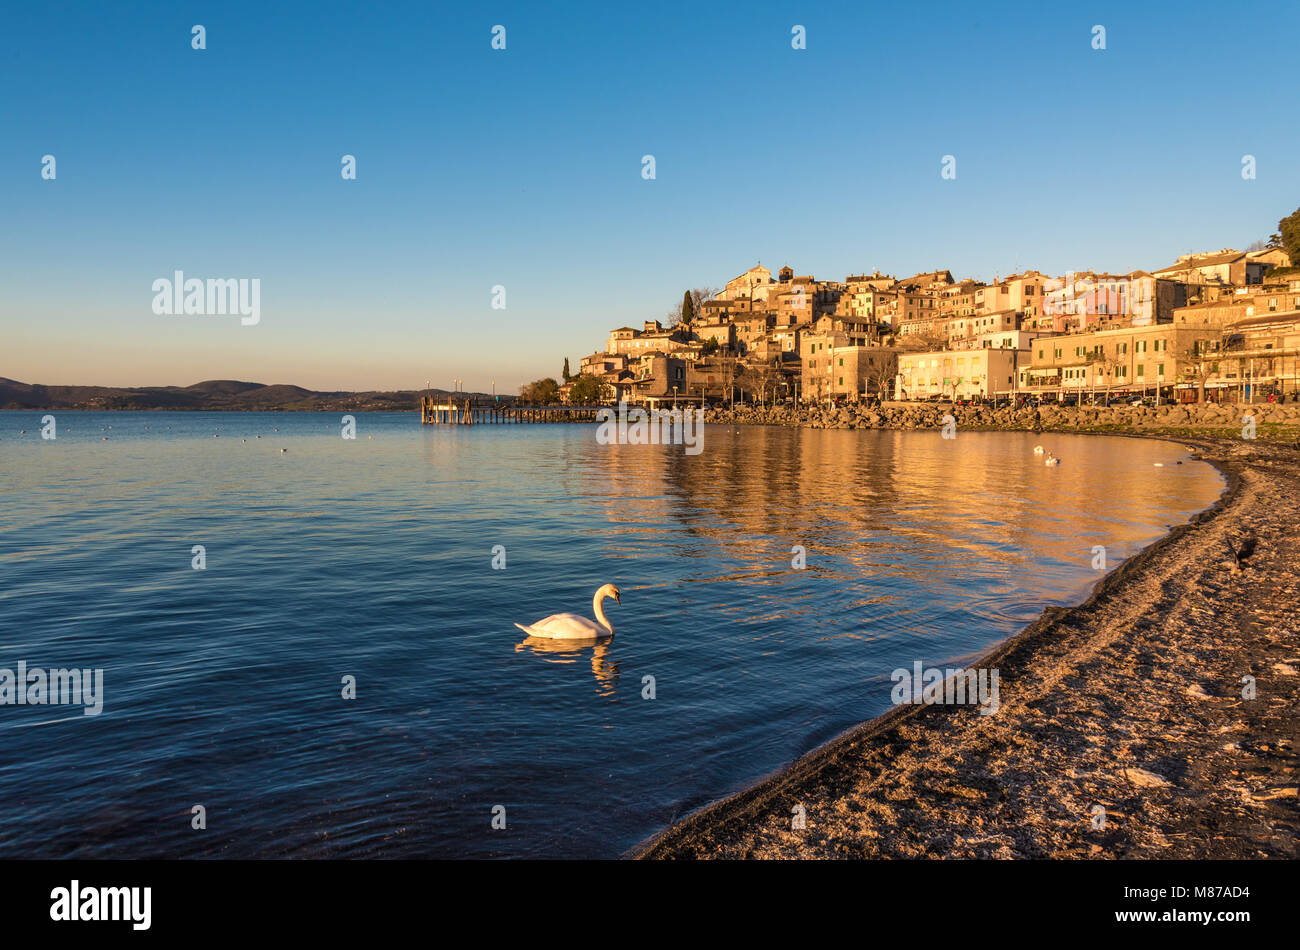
column 466, row 412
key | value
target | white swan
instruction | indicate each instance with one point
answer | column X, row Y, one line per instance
column 573, row 627
column 1051, row 460
column 1038, row 450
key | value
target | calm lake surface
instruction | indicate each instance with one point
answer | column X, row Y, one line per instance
column 373, row 558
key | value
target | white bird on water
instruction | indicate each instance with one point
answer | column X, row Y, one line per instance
column 573, row 627
column 1051, row 460
column 1038, row 450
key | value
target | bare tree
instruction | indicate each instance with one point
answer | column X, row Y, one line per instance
column 881, row 375
column 1202, row 354
column 758, row 378
column 698, row 296
column 728, row 367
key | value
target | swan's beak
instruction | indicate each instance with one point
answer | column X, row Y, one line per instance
column 618, row 598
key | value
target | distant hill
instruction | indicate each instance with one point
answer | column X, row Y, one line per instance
column 227, row 394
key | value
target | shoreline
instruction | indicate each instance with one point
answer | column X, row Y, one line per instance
column 1140, row 711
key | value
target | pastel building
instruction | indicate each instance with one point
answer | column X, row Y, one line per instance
column 957, row 373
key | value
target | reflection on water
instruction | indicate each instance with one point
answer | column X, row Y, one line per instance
column 373, row 559
column 603, row 667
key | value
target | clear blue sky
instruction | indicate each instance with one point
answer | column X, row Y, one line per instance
column 523, row 168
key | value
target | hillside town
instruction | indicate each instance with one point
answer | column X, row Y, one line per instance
column 1222, row 326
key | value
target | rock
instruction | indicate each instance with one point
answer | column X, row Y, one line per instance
column 1144, row 779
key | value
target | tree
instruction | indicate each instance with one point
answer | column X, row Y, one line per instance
column 697, row 297
column 881, row 373
column 1202, row 354
column 726, row 368
column 588, row 390
column 688, row 308
column 1095, row 361
column 540, row 392
column 1274, row 242
column 567, row 376
column 1289, row 231
column 762, row 377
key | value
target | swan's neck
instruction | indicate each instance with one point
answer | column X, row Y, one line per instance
column 600, row 614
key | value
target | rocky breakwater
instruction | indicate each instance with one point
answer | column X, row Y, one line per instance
column 1272, row 421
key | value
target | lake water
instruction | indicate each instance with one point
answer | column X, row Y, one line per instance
column 373, row 559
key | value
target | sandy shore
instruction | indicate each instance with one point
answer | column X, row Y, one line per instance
column 1132, row 701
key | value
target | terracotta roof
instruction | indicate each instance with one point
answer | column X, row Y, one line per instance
column 1260, row 319
column 1204, row 260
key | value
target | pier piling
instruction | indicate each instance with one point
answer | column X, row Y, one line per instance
column 465, row 412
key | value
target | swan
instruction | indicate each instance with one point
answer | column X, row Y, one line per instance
column 573, row 627
column 1038, row 450
column 1051, row 460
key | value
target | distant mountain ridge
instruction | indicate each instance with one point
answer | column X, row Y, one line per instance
column 227, row 394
